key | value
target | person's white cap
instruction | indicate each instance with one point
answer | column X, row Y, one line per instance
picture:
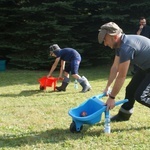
column 54, row 47
column 110, row 28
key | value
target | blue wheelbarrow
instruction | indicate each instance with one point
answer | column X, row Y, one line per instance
column 90, row 112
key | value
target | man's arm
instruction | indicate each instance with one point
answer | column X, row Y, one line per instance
column 62, row 67
column 140, row 30
column 113, row 73
column 122, row 72
column 53, row 66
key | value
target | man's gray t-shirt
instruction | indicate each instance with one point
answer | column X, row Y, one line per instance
column 135, row 48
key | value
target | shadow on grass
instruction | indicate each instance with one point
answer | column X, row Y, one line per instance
column 22, row 93
column 27, row 93
column 54, row 136
column 49, row 136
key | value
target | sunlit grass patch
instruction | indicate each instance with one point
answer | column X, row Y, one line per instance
column 33, row 119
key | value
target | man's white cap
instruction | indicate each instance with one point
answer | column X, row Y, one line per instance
column 110, row 28
column 54, row 47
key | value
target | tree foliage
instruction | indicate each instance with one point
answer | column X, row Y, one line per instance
column 29, row 27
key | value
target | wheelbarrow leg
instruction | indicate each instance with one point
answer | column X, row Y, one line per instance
column 75, row 127
column 55, row 83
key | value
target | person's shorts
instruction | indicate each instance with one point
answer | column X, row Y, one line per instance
column 72, row 67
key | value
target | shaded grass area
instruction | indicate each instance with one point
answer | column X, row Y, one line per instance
column 33, row 119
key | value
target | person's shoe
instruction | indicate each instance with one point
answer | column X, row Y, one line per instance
column 86, row 81
column 123, row 115
column 62, row 87
column 85, row 87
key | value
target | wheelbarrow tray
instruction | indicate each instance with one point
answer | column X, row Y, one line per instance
column 94, row 108
column 44, row 81
column 48, row 82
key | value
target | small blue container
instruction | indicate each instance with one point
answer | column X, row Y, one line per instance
column 2, row 65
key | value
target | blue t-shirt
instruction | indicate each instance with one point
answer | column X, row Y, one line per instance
column 145, row 31
column 135, row 48
column 68, row 54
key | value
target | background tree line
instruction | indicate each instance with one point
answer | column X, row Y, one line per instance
column 29, row 27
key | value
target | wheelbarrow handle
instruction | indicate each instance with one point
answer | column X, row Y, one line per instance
column 116, row 104
column 101, row 95
column 121, row 102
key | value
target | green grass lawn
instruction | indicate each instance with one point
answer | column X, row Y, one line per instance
column 31, row 119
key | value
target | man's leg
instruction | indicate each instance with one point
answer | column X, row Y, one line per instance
column 142, row 94
column 64, row 84
column 126, row 109
column 82, row 80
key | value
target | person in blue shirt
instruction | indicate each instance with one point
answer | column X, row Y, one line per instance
column 144, row 30
column 128, row 49
column 70, row 61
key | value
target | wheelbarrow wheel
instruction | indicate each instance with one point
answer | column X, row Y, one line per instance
column 73, row 127
column 42, row 88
